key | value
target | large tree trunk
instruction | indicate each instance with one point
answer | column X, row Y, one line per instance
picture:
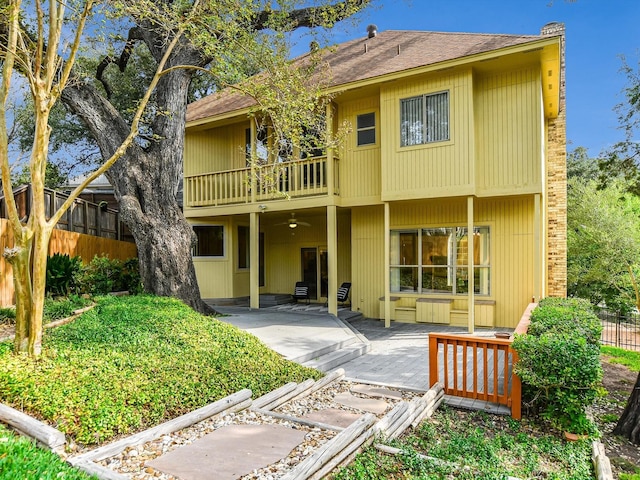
column 146, row 179
column 629, row 423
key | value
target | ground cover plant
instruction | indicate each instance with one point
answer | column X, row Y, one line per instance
column 21, row 458
column 133, row 362
column 475, row 445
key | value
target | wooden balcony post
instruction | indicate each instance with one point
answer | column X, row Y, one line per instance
column 330, row 165
column 252, row 182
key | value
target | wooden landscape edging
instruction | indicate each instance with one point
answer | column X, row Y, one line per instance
column 601, row 462
column 45, row 434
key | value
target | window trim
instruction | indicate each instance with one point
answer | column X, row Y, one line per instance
column 420, row 290
column 423, row 96
column 224, row 242
column 374, row 128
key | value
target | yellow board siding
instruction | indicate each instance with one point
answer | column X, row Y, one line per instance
column 283, row 250
column 508, row 119
column 360, row 178
column 214, row 274
column 434, row 169
column 511, row 222
column 215, row 150
column 367, row 240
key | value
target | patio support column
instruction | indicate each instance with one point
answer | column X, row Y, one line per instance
column 330, row 165
column 332, row 260
column 387, row 260
column 254, row 261
column 537, row 249
column 470, row 272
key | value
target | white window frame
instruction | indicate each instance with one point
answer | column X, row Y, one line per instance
column 424, row 130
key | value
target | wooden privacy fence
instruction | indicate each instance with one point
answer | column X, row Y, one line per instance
column 478, row 368
column 82, row 217
column 71, row 243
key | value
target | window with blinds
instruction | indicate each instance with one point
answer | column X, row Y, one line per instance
column 424, row 119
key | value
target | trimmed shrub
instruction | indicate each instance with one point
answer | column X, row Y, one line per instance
column 559, row 362
column 61, row 275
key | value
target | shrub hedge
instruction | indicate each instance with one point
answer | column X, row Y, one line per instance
column 559, row 362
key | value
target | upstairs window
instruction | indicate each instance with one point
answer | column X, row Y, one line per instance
column 424, row 119
column 210, row 241
column 366, row 129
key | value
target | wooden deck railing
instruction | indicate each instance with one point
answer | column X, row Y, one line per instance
column 478, row 368
column 300, row 178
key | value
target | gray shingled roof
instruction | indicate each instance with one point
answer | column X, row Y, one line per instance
column 389, row 52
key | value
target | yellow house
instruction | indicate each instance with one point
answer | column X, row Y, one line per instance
column 446, row 203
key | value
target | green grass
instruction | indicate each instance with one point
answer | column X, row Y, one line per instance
column 21, row 459
column 54, row 309
column 475, row 446
column 133, row 362
column 627, row 358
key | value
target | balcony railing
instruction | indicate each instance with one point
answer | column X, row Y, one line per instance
column 302, row 178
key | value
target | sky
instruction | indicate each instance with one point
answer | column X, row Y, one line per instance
column 598, row 33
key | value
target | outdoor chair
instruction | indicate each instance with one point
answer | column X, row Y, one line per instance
column 301, row 292
column 343, row 292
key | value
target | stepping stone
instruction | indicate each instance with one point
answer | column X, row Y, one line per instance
column 230, row 452
column 376, row 392
column 333, row 416
column 364, row 404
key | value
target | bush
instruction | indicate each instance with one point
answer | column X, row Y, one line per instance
column 573, row 316
column 104, row 275
column 559, row 362
column 62, row 273
column 8, row 315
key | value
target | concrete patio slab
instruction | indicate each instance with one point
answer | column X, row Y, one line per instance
column 297, row 336
column 230, row 452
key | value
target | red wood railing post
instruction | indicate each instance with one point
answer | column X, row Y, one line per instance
column 433, row 360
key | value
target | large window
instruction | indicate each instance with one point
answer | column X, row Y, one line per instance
column 210, row 241
column 366, row 129
column 435, row 260
column 424, row 119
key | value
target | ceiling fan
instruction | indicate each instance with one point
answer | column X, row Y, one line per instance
column 293, row 222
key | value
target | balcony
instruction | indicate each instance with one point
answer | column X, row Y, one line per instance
column 302, row 178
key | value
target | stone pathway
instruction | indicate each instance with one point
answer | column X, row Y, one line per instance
column 256, row 444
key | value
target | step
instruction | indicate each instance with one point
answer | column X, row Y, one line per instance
column 336, row 358
column 337, row 346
